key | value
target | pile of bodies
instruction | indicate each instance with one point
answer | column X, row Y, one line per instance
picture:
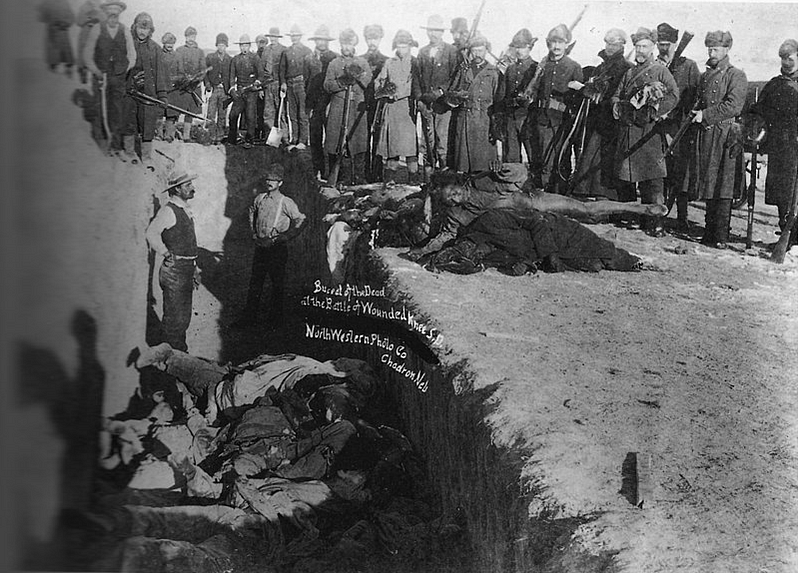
column 280, row 462
column 464, row 224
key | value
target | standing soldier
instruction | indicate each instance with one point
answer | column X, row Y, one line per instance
column 261, row 42
column 777, row 106
column 317, row 99
column 459, row 30
column 513, row 105
column 595, row 175
column 244, row 83
column 437, row 64
column 398, row 131
column 678, row 182
column 217, row 82
column 89, row 15
column 274, row 220
column 149, row 77
column 647, row 91
column 58, row 17
column 549, row 91
column 109, row 54
column 174, row 96
column 353, row 71
column 296, row 68
column 191, row 67
column 268, row 67
column 373, row 34
column 172, row 236
column 475, row 87
column 721, row 97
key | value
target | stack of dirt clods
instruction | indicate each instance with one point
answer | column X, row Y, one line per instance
column 283, row 463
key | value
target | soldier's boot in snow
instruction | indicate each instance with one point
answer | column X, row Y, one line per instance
column 129, row 149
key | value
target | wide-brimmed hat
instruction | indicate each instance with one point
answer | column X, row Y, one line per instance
column 435, row 22
column 244, row 39
column 274, row 172
column 560, row 32
column 113, row 6
column 523, row 39
column 478, row 40
column 295, row 30
column 274, row 32
column 459, row 25
column 348, row 36
column 322, row 33
column 719, row 38
column 179, row 178
column 404, row 37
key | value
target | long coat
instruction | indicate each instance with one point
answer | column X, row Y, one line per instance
column 640, row 147
column 191, row 61
column 722, row 94
column 357, row 116
column 473, row 147
column 777, row 106
column 398, row 132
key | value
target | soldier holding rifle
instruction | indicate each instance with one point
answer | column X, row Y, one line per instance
column 244, row 86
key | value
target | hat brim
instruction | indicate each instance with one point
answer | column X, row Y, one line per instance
column 312, row 38
column 189, row 178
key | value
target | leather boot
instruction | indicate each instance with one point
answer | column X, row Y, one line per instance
column 710, row 225
column 389, row 175
column 359, row 165
column 722, row 223
column 682, row 204
column 129, row 147
column 187, row 131
column 160, row 125
column 169, row 131
column 147, row 154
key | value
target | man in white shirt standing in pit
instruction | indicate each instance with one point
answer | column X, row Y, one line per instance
column 274, row 221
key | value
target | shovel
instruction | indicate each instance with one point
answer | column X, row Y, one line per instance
column 276, row 133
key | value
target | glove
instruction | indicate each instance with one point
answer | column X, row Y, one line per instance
column 354, row 70
column 429, row 98
column 138, row 80
column 387, row 90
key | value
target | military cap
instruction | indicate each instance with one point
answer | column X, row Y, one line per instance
column 222, row 38
column 261, row 38
column 113, row 6
column 295, row 30
column 478, row 40
column 616, row 36
column 168, row 38
column 459, row 25
column 190, row 31
column 322, row 33
column 146, row 19
column 403, row 37
column 178, row 178
column 348, row 36
column 274, row 172
column 560, row 32
column 435, row 22
column 373, row 31
column 667, row 33
column 244, row 39
column 644, row 34
column 787, row 48
column 274, row 32
column 523, row 39
column 719, row 38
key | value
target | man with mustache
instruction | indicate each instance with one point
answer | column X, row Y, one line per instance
column 647, row 91
column 722, row 93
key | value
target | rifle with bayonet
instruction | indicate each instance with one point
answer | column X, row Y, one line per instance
column 341, row 145
column 751, row 187
column 150, row 100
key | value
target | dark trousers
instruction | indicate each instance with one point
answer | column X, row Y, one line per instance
column 177, row 284
column 268, row 261
column 296, row 108
column 115, row 96
column 718, row 221
column 140, row 118
column 246, row 104
column 316, row 123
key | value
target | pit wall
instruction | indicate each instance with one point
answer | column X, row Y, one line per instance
column 470, row 475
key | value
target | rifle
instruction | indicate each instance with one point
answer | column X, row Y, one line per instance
column 150, row 100
column 190, row 83
column 780, row 248
column 251, row 88
column 341, row 145
column 104, row 106
column 686, row 37
column 572, row 27
column 751, row 189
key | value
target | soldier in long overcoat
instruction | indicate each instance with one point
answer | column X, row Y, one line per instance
column 594, row 174
column 777, row 106
column 397, row 136
column 174, row 96
column 722, row 93
column 353, row 71
column 679, row 182
column 191, row 66
column 473, row 147
column 646, row 92
column 373, row 34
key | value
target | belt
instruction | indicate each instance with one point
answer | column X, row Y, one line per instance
column 552, row 104
column 185, row 257
column 296, row 80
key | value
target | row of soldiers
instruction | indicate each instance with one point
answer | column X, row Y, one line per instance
column 620, row 121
